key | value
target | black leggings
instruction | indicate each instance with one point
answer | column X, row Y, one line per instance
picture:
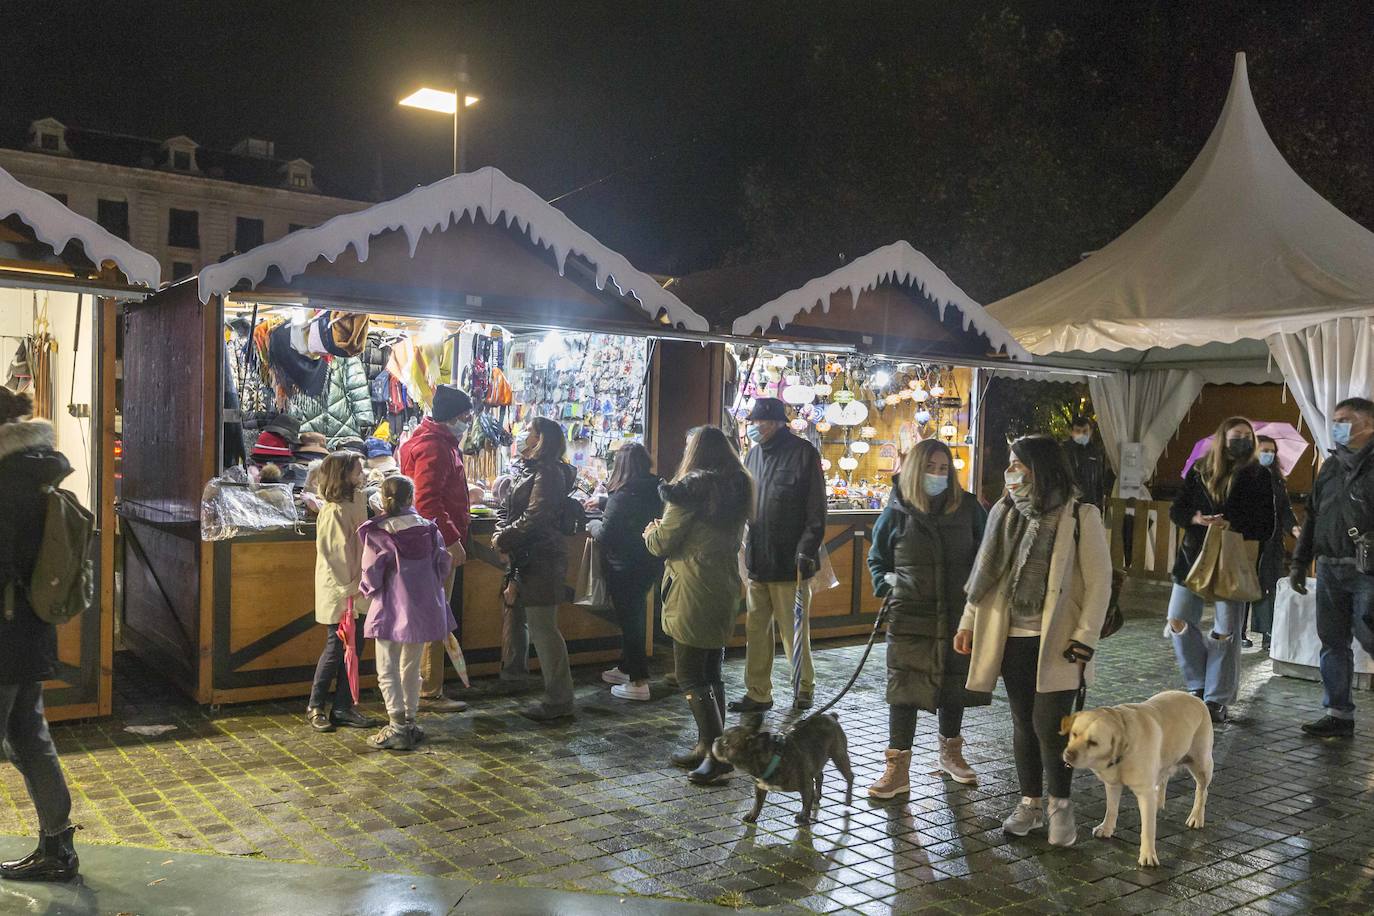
column 1036, row 742
column 901, row 724
column 696, row 668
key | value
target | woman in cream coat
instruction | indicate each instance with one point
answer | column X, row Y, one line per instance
column 1037, row 597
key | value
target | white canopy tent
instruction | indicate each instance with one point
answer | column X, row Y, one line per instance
column 1240, row 266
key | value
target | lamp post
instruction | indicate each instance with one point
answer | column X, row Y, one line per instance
column 447, row 101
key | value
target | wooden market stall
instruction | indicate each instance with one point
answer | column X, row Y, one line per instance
column 232, row 619
column 63, row 280
column 888, row 331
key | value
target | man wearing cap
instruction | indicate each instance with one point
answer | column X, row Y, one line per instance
column 432, row 459
column 782, row 547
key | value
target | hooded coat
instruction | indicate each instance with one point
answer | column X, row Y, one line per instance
column 28, row 463
column 403, row 573
column 531, row 532
column 699, row 539
column 931, row 556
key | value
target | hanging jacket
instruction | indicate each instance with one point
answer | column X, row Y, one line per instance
column 434, row 463
column 28, row 462
column 789, row 507
column 530, row 531
column 344, row 410
column 403, row 573
column 1249, row 508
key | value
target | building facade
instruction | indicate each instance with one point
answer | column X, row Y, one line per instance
column 184, row 204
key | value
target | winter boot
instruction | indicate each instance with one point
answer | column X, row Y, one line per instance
column 896, row 778
column 952, row 761
column 711, row 770
column 54, row 860
column 702, row 703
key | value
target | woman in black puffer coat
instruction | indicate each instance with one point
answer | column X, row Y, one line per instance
column 629, row 567
column 28, row 646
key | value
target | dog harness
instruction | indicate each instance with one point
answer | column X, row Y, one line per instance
column 777, row 745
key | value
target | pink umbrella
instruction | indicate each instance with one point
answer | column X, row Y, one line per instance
column 1291, row 444
column 347, row 629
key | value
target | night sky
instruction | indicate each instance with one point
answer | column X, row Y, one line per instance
column 674, row 100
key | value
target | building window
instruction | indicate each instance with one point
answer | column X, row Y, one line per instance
column 183, row 228
column 59, row 197
column 113, row 215
column 247, row 233
column 293, row 227
column 181, row 270
column 50, row 142
column 181, row 160
column 299, row 181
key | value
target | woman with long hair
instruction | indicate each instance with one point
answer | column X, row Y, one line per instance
column 705, row 509
column 1227, row 486
column 1037, row 596
column 923, row 549
column 532, row 534
column 632, row 503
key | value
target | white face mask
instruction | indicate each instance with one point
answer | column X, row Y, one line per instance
column 935, row 484
column 459, row 427
column 1340, row 433
column 1082, row 438
column 1014, row 479
column 1266, row 458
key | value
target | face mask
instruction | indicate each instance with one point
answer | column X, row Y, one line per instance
column 1082, row 438
column 1240, row 449
column 1014, row 479
column 755, row 435
column 1266, row 458
column 1340, row 433
column 935, row 484
column 459, row 427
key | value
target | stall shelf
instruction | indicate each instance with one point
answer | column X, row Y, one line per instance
column 57, row 265
column 231, row 620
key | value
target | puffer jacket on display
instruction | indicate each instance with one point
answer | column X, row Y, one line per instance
column 345, row 410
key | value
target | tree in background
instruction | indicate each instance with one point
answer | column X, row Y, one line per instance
column 1018, row 407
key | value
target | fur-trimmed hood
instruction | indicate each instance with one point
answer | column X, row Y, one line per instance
column 24, row 436
column 723, row 496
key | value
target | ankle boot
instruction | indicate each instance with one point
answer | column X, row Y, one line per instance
column 952, row 761
column 711, row 770
column 703, row 706
column 896, row 778
column 54, row 860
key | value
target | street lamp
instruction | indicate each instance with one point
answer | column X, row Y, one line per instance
column 445, row 101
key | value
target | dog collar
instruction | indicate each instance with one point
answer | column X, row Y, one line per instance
column 775, row 762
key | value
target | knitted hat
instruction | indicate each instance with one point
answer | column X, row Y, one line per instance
column 377, row 448
column 768, row 409
column 450, row 402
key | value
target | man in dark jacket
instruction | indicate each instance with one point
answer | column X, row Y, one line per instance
column 432, row 459
column 28, row 645
column 1089, row 463
column 783, row 542
column 1342, row 500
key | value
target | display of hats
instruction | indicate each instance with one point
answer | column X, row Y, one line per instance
column 352, row 444
column 288, row 427
column 450, row 402
column 313, row 445
column 377, row 448
column 271, row 445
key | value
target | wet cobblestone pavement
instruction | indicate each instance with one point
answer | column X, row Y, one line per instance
column 594, row 806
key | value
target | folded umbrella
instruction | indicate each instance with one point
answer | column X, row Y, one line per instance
column 798, row 630
column 348, row 628
column 455, row 655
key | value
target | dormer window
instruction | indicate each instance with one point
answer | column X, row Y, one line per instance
column 297, row 175
column 49, row 141
column 49, row 135
column 181, row 161
column 298, row 180
column 181, row 155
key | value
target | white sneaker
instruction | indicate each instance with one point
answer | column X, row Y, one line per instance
column 638, row 691
column 1063, row 829
column 615, row 676
column 1023, row 819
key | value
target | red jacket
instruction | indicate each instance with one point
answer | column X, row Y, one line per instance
column 432, row 459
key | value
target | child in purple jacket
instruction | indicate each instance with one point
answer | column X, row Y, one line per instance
column 405, row 565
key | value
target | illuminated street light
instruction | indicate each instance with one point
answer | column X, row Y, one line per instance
column 445, row 101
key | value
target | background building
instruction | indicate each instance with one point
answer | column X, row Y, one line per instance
column 183, row 203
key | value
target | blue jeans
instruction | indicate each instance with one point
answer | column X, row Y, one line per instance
column 1345, row 609
column 1210, row 662
column 28, row 745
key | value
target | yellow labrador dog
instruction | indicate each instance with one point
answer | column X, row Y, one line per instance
column 1141, row 745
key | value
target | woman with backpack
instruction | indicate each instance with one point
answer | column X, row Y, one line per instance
column 30, row 465
column 531, row 534
column 923, row 549
column 1037, row 597
column 633, row 502
column 705, row 508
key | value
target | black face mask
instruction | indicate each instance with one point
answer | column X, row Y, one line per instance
column 1240, row 449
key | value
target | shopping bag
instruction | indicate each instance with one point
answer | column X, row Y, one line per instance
column 1226, row 569
column 591, row 591
column 455, row 655
column 825, row 578
column 348, row 627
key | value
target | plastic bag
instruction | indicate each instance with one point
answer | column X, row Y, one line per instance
column 229, row 509
column 591, row 589
column 824, row 579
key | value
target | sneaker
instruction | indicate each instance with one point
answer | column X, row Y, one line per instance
column 1330, row 727
column 615, row 676
column 1063, row 828
column 442, row 704
column 896, row 778
column 952, row 761
column 351, row 718
column 635, row 691
column 1025, row 818
column 319, row 720
column 749, row 704
column 392, row 737
column 1247, row 643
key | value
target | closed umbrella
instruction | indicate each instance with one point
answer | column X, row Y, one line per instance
column 798, row 629
column 348, row 628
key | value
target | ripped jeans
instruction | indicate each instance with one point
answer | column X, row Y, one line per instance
column 1210, row 661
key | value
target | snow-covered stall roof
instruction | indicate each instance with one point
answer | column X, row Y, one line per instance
column 895, row 263
column 433, row 208
column 1241, row 248
column 55, row 225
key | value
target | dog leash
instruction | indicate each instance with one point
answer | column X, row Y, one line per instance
column 782, row 736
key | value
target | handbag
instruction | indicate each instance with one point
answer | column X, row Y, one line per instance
column 591, row 590
column 1364, row 551
column 1226, row 568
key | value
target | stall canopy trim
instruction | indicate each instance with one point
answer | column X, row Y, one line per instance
column 432, row 208
column 54, row 224
column 895, row 263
